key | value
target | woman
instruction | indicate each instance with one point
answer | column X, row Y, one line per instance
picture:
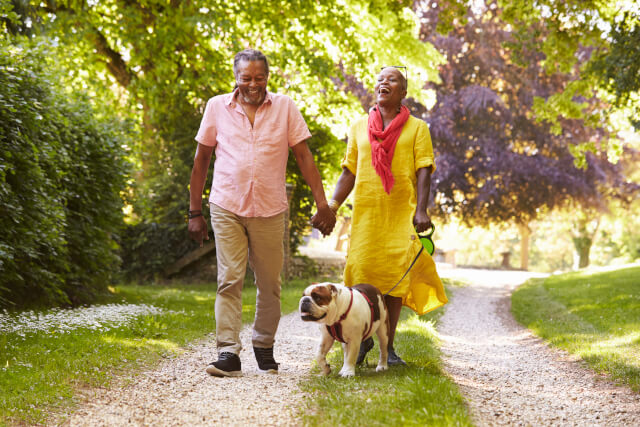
column 389, row 162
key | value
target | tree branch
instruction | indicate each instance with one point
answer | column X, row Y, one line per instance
column 115, row 64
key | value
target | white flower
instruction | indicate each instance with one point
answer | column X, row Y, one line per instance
column 96, row 317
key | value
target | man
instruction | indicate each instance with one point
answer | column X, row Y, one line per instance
column 251, row 131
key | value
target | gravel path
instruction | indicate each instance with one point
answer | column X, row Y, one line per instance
column 181, row 393
column 509, row 376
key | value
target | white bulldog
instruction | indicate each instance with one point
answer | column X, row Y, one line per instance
column 349, row 315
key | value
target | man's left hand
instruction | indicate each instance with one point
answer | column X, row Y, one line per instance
column 422, row 222
column 324, row 220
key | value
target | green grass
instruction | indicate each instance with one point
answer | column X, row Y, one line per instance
column 418, row 394
column 41, row 371
column 593, row 315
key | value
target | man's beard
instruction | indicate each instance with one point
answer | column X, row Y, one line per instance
column 248, row 100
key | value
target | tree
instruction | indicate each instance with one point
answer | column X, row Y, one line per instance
column 496, row 162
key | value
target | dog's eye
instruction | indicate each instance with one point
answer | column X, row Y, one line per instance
column 315, row 297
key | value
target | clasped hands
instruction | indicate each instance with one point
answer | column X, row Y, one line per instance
column 324, row 220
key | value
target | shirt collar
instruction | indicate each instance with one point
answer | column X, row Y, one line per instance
column 231, row 98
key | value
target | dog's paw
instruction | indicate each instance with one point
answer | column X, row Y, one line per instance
column 381, row 368
column 326, row 369
column 347, row 373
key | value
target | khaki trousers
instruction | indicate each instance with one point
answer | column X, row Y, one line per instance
column 260, row 241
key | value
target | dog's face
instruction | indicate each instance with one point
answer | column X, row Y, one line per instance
column 317, row 301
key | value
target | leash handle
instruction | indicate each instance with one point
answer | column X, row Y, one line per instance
column 406, row 272
column 426, row 240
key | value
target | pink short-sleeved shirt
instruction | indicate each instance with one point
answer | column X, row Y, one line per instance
column 250, row 167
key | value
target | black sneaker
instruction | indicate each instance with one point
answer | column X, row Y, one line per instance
column 365, row 347
column 227, row 365
column 394, row 360
column 266, row 362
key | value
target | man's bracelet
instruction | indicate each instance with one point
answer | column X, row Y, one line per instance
column 334, row 205
column 194, row 214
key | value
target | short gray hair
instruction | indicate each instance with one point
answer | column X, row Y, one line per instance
column 249, row 55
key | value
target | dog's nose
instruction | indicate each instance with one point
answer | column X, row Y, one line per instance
column 305, row 304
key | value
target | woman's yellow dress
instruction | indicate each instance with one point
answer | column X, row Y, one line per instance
column 383, row 240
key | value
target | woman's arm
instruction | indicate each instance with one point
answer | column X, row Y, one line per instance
column 421, row 220
column 345, row 184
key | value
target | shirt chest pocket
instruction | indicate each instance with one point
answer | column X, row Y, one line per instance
column 274, row 133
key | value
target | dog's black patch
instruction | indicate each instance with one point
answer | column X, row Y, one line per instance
column 372, row 293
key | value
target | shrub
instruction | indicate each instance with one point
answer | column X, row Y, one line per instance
column 62, row 169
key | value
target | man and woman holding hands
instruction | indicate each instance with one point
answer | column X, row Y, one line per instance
column 388, row 165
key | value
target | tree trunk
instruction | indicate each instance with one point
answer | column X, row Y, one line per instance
column 583, row 254
column 583, row 239
column 525, row 237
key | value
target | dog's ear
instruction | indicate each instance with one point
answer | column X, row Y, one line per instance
column 333, row 289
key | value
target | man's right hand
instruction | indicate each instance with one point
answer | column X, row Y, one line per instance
column 198, row 225
column 198, row 230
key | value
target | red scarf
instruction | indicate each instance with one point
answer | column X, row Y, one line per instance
column 383, row 143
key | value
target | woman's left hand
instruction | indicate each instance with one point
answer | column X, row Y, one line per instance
column 422, row 221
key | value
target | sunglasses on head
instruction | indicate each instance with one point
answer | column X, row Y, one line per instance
column 402, row 68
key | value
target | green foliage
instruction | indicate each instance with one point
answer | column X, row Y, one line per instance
column 8, row 18
column 618, row 68
column 602, row 38
column 451, row 14
column 562, row 104
column 157, row 231
column 593, row 315
column 619, row 239
column 62, row 168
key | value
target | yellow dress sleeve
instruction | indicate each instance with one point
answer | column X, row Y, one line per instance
column 423, row 149
column 350, row 160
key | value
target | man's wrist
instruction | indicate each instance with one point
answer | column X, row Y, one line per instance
column 194, row 213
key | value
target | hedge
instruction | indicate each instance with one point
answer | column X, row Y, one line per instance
column 62, row 170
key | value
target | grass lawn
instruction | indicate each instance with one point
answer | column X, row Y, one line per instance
column 416, row 395
column 593, row 315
